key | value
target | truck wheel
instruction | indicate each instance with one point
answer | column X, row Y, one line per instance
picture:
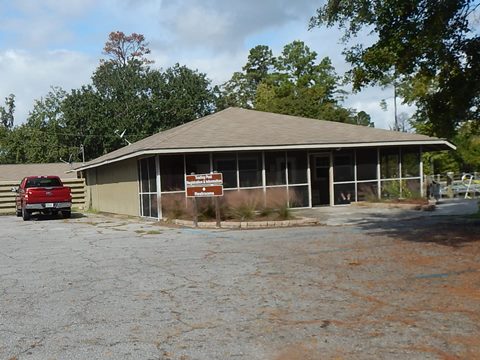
column 66, row 214
column 26, row 214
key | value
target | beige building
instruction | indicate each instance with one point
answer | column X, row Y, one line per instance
column 307, row 162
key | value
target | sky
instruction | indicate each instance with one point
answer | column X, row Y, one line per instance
column 59, row 42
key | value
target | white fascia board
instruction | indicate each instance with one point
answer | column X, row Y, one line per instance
column 266, row 148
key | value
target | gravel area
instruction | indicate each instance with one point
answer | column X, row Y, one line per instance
column 96, row 287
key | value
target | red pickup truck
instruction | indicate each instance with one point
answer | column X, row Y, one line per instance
column 45, row 194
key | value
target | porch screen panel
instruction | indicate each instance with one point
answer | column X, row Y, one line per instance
column 226, row 163
column 250, row 169
column 343, row 162
column 389, row 163
column 411, row 188
column 297, row 167
column 197, row 164
column 410, row 162
column 366, row 164
column 298, row 196
column 148, row 187
column 344, row 193
column 367, row 191
column 275, row 168
column 276, row 196
column 172, row 173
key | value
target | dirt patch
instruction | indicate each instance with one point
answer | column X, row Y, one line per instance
column 299, row 352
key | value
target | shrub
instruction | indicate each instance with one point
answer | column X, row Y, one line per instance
column 284, row 212
column 399, row 190
column 243, row 205
column 368, row 192
column 266, row 212
column 174, row 206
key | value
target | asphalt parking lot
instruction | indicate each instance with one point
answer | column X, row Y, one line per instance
column 95, row 287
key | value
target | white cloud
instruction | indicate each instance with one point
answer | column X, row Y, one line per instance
column 40, row 24
column 213, row 36
column 30, row 75
column 225, row 25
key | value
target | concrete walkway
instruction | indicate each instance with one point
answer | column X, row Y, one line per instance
column 358, row 214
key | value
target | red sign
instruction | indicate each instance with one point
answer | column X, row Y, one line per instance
column 204, row 185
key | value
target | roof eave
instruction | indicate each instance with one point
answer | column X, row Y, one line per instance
column 429, row 145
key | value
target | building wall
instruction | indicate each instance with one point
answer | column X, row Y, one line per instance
column 294, row 178
column 114, row 188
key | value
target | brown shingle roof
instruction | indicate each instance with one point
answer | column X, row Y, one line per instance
column 241, row 128
column 18, row 171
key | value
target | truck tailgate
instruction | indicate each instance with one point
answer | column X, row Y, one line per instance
column 48, row 194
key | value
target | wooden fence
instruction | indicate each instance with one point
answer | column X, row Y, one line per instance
column 7, row 197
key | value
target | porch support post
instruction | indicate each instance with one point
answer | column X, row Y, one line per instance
column 264, row 180
column 355, row 173
column 422, row 192
column 159, row 188
column 238, row 171
column 139, row 172
column 379, row 183
column 400, row 159
column 286, row 178
column 330, row 180
column 309, row 178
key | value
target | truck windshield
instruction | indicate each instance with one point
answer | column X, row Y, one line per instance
column 42, row 182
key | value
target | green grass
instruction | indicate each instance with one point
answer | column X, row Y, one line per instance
column 91, row 211
column 148, row 232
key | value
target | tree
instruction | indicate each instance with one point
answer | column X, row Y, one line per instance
column 293, row 83
column 125, row 96
column 123, row 49
column 43, row 137
column 299, row 85
column 241, row 89
column 429, row 47
column 468, row 147
column 128, row 96
column 7, row 112
column 186, row 95
column 136, row 100
column 362, row 118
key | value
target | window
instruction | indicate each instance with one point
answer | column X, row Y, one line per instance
column 42, row 182
column 227, row 165
column 172, row 173
column 250, row 169
column 275, row 168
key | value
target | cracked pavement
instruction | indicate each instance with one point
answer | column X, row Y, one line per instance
column 107, row 287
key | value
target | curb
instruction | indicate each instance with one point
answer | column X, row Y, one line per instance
column 248, row 224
